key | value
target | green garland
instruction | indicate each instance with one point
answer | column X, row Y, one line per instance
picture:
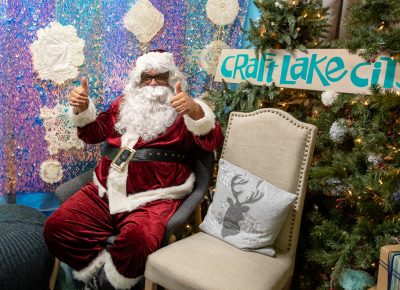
column 288, row 25
column 374, row 26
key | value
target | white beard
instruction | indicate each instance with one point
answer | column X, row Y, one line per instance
column 146, row 111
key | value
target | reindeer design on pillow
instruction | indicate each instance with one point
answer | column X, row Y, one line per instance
column 234, row 213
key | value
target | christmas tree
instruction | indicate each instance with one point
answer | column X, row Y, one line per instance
column 353, row 203
column 355, row 180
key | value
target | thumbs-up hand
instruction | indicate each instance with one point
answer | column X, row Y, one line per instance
column 184, row 104
column 79, row 96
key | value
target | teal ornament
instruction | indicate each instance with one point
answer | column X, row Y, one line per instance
column 355, row 280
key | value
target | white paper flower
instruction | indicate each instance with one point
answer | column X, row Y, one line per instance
column 328, row 98
column 209, row 56
column 144, row 20
column 60, row 133
column 57, row 53
column 338, row 131
column 51, row 171
column 222, row 12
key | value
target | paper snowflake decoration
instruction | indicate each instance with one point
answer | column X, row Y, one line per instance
column 144, row 20
column 209, row 56
column 57, row 53
column 60, row 133
column 222, row 12
column 51, row 171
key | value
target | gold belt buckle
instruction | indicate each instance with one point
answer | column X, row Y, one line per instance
column 123, row 157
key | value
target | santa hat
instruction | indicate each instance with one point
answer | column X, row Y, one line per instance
column 159, row 61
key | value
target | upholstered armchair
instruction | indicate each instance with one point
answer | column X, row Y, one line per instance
column 276, row 147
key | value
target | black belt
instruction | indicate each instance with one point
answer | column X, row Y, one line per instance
column 149, row 154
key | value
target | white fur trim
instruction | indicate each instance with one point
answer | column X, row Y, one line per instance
column 87, row 273
column 119, row 202
column 205, row 124
column 83, row 118
column 102, row 190
column 117, row 280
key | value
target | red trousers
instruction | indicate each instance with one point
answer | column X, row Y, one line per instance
column 76, row 233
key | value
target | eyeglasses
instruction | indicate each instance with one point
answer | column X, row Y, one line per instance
column 161, row 78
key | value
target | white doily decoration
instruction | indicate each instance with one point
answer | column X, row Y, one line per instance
column 222, row 12
column 209, row 56
column 57, row 53
column 60, row 133
column 144, row 20
column 51, row 171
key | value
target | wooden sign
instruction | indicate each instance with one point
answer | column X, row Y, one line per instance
column 318, row 69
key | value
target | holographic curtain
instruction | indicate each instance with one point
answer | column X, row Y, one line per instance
column 110, row 51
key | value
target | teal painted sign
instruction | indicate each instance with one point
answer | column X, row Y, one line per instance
column 318, row 69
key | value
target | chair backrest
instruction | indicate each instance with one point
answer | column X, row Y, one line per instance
column 273, row 145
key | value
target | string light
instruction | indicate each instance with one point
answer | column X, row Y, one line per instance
column 358, row 140
column 380, row 181
column 382, row 26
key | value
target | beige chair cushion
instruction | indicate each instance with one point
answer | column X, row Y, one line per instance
column 181, row 266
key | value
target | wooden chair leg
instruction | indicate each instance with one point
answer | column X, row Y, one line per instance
column 198, row 218
column 54, row 274
column 149, row 285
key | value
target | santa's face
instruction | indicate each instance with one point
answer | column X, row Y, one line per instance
column 147, row 108
column 154, row 78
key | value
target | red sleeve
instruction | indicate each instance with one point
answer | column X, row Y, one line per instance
column 98, row 130
column 212, row 140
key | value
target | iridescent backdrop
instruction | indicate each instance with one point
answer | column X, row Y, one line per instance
column 110, row 51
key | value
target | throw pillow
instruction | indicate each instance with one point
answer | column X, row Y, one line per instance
column 247, row 211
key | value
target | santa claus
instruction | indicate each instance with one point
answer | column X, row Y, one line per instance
column 152, row 128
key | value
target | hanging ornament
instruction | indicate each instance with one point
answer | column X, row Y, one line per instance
column 355, row 279
column 222, row 12
column 338, row 131
column 375, row 159
column 57, row 53
column 51, row 171
column 144, row 21
column 278, row 4
column 335, row 187
column 209, row 56
column 328, row 98
column 396, row 198
column 60, row 133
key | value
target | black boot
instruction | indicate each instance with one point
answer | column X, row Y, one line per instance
column 99, row 282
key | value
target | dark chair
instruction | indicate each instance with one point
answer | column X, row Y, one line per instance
column 203, row 163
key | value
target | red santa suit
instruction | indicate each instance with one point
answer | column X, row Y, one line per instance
column 134, row 204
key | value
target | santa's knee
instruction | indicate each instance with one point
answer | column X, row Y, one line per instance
column 52, row 231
